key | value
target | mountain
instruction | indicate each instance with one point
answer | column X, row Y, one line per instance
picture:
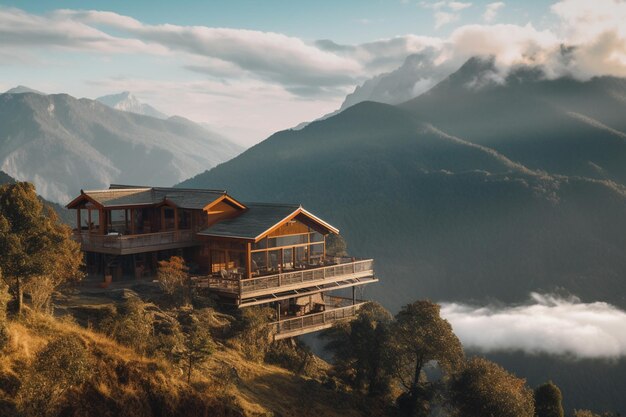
column 63, row 144
column 126, row 101
column 416, row 75
column 23, row 89
column 561, row 126
column 445, row 218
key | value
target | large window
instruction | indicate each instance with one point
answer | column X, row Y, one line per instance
column 288, row 252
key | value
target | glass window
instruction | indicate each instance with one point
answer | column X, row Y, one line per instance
column 288, row 258
column 317, row 237
column 259, row 262
column 273, row 259
column 301, row 256
column 262, row 244
column 291, row 240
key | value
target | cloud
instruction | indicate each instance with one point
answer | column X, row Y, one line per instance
column 445, row 12
column 457, row 6
column 491, row 11
column 546, row 325
column 443, row 18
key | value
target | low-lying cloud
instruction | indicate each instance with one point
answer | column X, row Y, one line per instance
column 546, row 325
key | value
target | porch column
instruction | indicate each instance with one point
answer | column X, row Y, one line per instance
column 132, row 221
column 175, row 218
column 78, row 219
column 89, row 220
column 249, row 260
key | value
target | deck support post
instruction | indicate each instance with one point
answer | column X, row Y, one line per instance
column 278, row 310
column 353, row 295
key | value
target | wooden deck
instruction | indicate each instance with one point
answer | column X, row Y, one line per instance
column 130, row 244
column 288, row 281
column 314, row 322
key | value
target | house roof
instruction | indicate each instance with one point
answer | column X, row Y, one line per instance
column 260, row 218
column 124, row 196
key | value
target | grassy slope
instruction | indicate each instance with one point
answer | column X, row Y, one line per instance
column 125, row 383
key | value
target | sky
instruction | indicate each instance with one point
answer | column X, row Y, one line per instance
column 251, row 68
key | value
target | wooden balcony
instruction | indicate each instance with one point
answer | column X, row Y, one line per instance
column 130, row 244
column 250, row 291
column 309, row 323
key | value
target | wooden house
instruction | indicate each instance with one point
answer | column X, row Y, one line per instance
column 246, row 253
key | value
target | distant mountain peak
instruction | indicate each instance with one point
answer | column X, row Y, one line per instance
column 21, row 89
column 126, row 101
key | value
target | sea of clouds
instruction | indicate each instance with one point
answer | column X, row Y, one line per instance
column 547, row 324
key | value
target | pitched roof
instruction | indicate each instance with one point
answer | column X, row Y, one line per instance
column 258, row 219
column 123, row 195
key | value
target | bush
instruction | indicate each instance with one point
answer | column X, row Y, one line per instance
column 131, row 325
column 62, row 365
column 252, row 333
column 292, row 355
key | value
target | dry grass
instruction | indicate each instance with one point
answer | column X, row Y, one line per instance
column 125, row 383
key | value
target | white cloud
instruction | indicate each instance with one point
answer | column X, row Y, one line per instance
column 445, row 12
column 491, row 11
column 443, row 18
column 548, row 325
column 457, row 6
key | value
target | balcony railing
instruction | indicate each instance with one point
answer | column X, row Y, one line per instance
column 289, row 280
column 133, row 243
column 313, row 322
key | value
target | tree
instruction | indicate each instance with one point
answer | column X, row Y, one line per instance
column 4, row 298
column 548, row 401
column 418, row 336
column 197, row 345
column 174, row 279
column 483, row 388
column 336, row 246
column 360, row 349
column 33, row 243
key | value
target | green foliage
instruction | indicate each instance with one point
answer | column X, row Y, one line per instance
column 197, row 344
column 483, row 388
column 174, row 279
column 336, row 245
column 360, row 350
column 293, row 355
column 252, row 333
column 418, row 336
column 548, row 401
column 62, row 365
column 33, row 243
column 130, row 325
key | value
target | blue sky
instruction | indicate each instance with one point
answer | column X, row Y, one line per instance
column 250, row 68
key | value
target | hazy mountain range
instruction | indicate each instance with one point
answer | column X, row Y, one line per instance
column 126, row 101
column 63, row 144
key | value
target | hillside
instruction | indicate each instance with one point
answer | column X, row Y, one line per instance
column 63, row 144
column 122, row 382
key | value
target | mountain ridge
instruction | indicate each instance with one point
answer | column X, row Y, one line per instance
column 63, row 144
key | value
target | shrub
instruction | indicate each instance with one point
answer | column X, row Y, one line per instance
column 62, row 365
column 252, row 333
column 131, row 325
